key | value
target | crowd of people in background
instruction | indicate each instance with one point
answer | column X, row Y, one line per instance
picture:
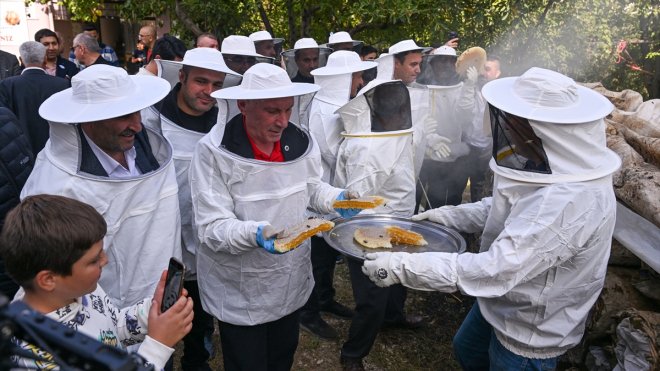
column 204, row 154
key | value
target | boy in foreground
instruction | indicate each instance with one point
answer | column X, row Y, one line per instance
column 53, row 247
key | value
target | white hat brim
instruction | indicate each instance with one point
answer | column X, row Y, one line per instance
column 590, row 105
column 208, row 65
column 355, row 43
column 247, row 54
column 331, row 71
column 61, row 107
column 238, row 92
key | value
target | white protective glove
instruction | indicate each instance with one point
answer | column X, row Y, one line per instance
column 440, row 215
column 379, row 267
column 437, row 147
column 471, row 75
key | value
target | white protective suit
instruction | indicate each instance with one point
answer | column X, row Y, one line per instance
column 142, row 213
column 545, row 244
column 422, row 121
column 325, row 124
column 376, row 163
column 183, row 142
column 240, row 282
column 449, row 119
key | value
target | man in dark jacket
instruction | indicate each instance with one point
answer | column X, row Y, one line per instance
column 24, row 94
column 55, row 64
column 15, row 166
column 8, row 65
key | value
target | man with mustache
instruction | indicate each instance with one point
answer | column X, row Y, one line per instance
column 100, row 153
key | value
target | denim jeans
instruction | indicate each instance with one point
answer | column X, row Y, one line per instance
column 476, row 348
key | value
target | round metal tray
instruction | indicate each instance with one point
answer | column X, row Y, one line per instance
column 439, row 237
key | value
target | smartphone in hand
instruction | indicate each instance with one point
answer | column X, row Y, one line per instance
column 173, row 284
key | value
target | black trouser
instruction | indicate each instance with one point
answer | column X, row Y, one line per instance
column 269, row 346
column 324, row 259
column 195, row 353
column 373, row 306
column 444, row 182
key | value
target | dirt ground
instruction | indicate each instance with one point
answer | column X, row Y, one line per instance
column 428, row 348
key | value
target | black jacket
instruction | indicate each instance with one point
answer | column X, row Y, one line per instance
column 15, row 166
column 293, row 143
column 65, row 68
column 15, row 161
column 8, row 65
column 23, row 95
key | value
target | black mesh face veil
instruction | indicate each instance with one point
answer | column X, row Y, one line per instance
column 515, row 145
column 390, row 107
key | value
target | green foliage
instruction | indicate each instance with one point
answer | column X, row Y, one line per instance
column 578, row 38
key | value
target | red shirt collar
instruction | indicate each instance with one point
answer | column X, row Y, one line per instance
column 275, row 156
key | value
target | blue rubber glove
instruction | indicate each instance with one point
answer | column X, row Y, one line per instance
column 266, row 239
column 346, row 213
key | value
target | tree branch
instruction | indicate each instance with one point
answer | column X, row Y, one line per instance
column 264, row 17
column 183, row 16
column 545, row 12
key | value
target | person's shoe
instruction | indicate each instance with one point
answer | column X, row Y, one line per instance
column 412, row 322
column 319, row 328
column 351, row 364
column 337, row 310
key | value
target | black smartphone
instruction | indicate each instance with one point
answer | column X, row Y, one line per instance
column 173, row 284
column 452, row 35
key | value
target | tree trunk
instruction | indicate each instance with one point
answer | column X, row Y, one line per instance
column 264, row 17
column 183, row 16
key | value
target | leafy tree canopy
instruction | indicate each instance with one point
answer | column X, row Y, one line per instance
column 580, row 38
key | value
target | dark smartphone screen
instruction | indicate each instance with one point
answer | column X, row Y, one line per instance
column 452, row 35
column 173, row 284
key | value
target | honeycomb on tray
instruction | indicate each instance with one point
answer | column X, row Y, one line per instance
column 383, row 237
column 368, row 202
column 293, row 237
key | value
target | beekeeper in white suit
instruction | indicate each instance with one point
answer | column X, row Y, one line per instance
column 444, row 177
column 340, row 80
column 248, row 178
column 546, row 231
column 377, row 158
column 403, row 62
column 99, row 153
column 183, row 117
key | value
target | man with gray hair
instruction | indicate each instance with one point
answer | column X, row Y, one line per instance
column 24, row 94
column 87, row 50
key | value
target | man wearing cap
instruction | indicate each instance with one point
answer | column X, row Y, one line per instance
column 340, row 80
column 266, row 45
column 342, row 40
column 99, row 153
column 305, row 57
column 183, row 117
column 248, row 178
column 239, row 53
column 547, row 229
